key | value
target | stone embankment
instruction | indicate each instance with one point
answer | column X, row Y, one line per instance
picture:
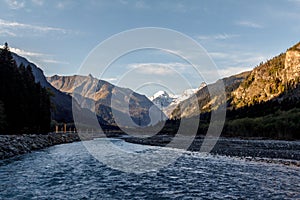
column 12, row 145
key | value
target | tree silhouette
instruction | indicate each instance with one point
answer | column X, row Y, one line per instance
column 25, row 104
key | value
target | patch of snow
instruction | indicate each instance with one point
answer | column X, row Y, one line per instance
column 167, row 102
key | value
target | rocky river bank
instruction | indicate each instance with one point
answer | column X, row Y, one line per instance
column 12, row 145
column 274, row 151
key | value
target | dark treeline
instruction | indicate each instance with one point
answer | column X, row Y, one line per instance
column 24, row 104
column 278, row 118
column 279, row 125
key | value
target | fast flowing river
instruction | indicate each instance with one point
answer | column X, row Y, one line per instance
column 69, row 171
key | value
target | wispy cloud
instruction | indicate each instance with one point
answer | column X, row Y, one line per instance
column 5, row 33
column 52, row 61
column 61, row 5
column 111, row 79
column 36, row 56
column 229, row 71
column 165, row 69
column 15, row 4
column 223, row 36
column 179, row 7
column 124, row 2
column 295, row 1
column 249, row 24
column 38, row 2
column 158, row 68
column 16, row 25
column 141, row 4
column 68, row 4
column 245, row 60
column 25, row 53
column 213, row 75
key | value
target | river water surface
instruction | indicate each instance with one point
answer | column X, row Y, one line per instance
column 68, row 171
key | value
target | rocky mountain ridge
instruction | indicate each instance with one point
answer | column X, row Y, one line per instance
column 270, row 79
column 189, row 108
column 276, row 79
column 106, row 99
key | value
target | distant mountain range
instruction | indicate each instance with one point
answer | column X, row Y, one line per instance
column 167, row 102
column 107, row 100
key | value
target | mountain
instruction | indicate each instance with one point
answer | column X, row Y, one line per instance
column 162, row 99
column 263, row 103
column 270, row 79
column 94, row 90
column 109, row 102
column 275, row 80
column 62, row 102
column 186, row 94
column 169, row 102
column 187, row 108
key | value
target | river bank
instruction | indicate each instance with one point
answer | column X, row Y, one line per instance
column 275, row 151
column 284, row 152
column 12, row 145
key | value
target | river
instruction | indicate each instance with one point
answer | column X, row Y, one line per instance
column 69, row 171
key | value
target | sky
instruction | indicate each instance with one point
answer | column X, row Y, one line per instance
column 237, row 35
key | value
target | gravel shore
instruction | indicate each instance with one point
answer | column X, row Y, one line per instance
column 12, row 145
column 284, row 152
column 275, row 151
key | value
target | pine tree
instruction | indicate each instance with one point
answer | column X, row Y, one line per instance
column 2, row 117
column 25, row 104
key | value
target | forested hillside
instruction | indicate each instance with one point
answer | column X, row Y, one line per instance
column 24, row 104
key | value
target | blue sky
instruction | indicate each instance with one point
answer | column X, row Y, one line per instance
column 237, row 34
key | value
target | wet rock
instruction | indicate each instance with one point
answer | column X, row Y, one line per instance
column 12, row 145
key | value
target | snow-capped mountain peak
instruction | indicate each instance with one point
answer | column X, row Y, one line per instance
column 159, row 94
column 188, row 93
column 167, row 102
column 161, row 99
